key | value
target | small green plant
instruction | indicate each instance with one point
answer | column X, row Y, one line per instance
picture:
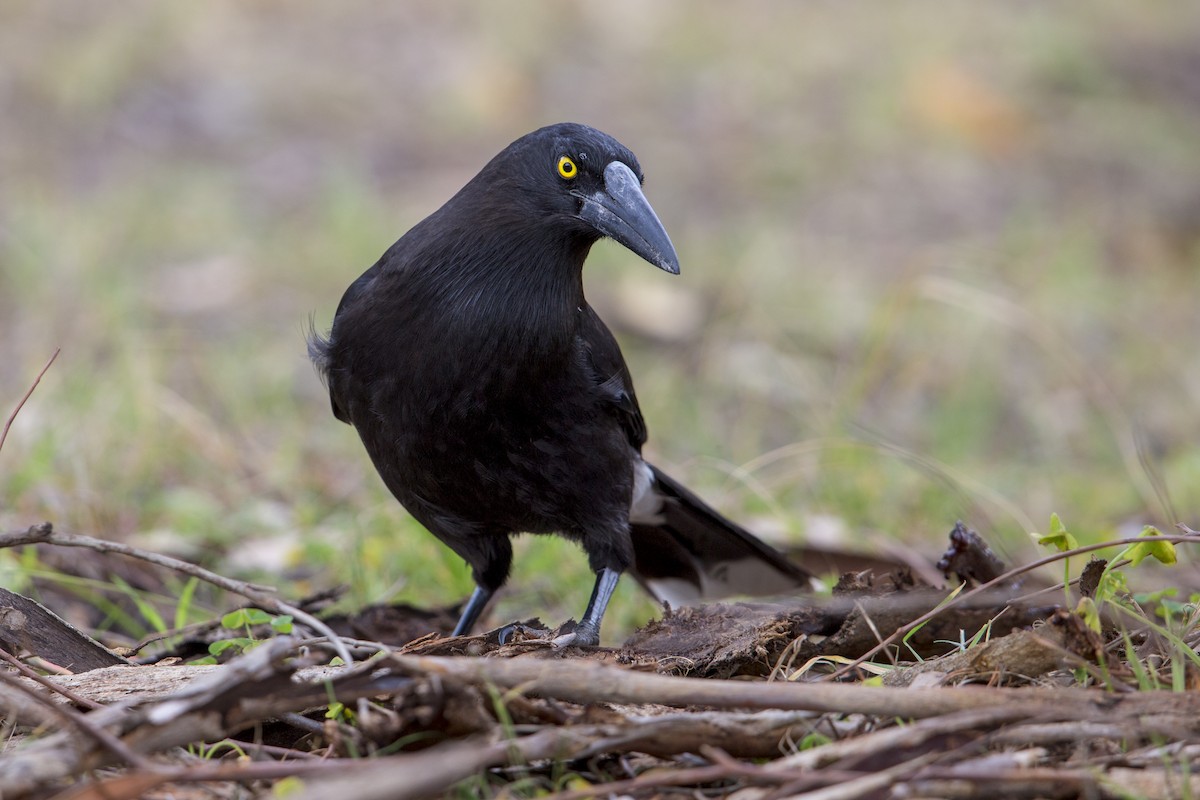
column 813, row 740
column 1113, row 586
column 963, row 644
column 908, row 636
column 1063, row 541
column 287, row 787
column 244, row 620
column 1112, row 593
column 210, row 751
column 337, row 710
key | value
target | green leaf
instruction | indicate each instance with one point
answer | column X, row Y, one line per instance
column 1113, row 584
column 1169, row 609
column 148, row 611
column 256, row 616
column 184, row 606
column 282, row 623
column 1163, row 552
column 338, row 711
column 287, row 787
column 234, row 619
column 221, row 645
column 1156, row 596
column 1059, row 537
column 813, row 740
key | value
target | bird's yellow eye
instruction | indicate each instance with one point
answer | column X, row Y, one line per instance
column 567, row 168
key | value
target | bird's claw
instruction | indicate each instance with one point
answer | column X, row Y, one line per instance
column 516, row 632
column 583, row 636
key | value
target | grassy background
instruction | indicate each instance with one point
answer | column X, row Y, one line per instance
column 939, row 261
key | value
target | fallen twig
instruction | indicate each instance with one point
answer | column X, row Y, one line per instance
column 78, row 721
column 256, row 593
column 37, row 677
column 998, row 581
column 898, row 738
column 588, row 682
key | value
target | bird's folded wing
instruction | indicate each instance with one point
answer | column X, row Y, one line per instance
column 685, row 551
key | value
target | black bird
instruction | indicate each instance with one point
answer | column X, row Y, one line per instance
column 493, row 401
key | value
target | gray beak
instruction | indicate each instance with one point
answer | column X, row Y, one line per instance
column 621, row 212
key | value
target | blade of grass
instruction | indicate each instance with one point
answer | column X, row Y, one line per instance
column 8, row 422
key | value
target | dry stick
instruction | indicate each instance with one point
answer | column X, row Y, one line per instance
column 45, row 534
column 1047, row 733
column 719, row 770
column 37, row 677
column 883, row 743
column 230, row 697
column 967, row 783
column 8, row 423
column 441, row 767
column 107, row 740
column 871, row 783
column 1007, row 576
column 1169, row 713
column 256, row 593
column 412, row 775
column 899, row 737
column 433, row 771
column 445, row 765
column 277, row 751
column 216, row 772
column 653, row 780
column 585, row 682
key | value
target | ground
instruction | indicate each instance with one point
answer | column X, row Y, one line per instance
column 939, row 263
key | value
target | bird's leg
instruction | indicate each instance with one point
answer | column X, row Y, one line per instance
column 489, row 552
column 472, row 610
column 587, row 632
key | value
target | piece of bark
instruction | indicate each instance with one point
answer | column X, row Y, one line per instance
column 722, row 640
column 1020, row 653
column 26, row 625
column 396, row 624
column 1089, row 579
column 970, row 558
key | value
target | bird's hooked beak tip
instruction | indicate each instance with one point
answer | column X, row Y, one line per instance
column 669, row 263
column 621, row 212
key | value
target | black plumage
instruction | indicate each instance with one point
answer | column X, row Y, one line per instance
column 493, row 400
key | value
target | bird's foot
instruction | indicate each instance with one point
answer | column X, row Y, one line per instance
column 583, row 635
column 531, row 630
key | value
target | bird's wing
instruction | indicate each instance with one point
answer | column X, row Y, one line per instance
column 685, row 551
column 612, row 376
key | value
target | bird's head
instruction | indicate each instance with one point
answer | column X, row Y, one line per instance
column 590, row 184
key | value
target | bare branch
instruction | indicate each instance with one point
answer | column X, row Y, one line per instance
column 256, row 593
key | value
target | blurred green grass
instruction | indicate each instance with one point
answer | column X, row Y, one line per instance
column 938, row 263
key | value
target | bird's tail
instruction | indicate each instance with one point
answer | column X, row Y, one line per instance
column 684, row 551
